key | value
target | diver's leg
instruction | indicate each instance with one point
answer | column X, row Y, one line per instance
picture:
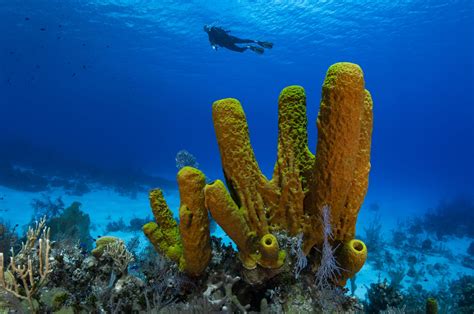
column 237, row 40
column 256, row 49
column 235, row 48
column 264, row 44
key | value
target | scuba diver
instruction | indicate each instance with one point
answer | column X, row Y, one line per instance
column 220, row 37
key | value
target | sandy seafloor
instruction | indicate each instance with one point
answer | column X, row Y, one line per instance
column 104, row 205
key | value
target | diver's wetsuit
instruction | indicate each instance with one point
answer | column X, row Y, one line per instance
column 220, row 37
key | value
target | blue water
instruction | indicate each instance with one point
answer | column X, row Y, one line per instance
column 113, row 88
column 121, row 83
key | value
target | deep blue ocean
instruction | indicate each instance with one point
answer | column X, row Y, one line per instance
column 129, row 83
column 109, row 91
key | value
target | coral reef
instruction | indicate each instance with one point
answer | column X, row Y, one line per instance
column 462, row 294
column 453, row 217
column 252, row 208
column 30, row 167
column 28, row 270
column 47, row 207
column 111, row 279
column 21, row 179
column 8, row 238
column 381, row 296
column 294, row 232
column 135, row 224
column 116, row 225
column 373, row 236
column 72, row 225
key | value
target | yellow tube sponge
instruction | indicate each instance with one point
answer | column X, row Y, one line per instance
column 243, row 176
column 194, row 221
column 164, row 232
column 340, row 171
column 249, row 207
column 360, row 182
column 271, row 256
column 431, row 306
column 232, row 219
column 351, row 257
column 294, row 161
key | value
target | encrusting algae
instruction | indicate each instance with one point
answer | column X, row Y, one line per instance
column 251, row 208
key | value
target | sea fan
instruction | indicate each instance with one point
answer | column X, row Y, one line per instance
column 185, row 158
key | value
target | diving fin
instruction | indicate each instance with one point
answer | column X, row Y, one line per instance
column 265, row 44
column 256, row 49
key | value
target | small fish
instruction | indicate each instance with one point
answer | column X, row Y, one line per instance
column 38, row 66
column 83, row 45
column 59, row 37
column 1, row 198
column 42, row 29
column 84, row 66
column 27, row 18
column 73, row 74
column 60, row 25
column 108, row 46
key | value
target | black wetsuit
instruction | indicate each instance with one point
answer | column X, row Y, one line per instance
column 220, row 37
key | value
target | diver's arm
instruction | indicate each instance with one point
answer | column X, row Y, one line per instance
column 212, row 42
column 213, row 45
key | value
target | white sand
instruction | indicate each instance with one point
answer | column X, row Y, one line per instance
column 103, row 206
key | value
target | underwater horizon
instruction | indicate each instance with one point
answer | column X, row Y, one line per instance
column 103, row 100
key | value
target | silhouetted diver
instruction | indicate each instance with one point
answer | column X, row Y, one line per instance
column 220, row 37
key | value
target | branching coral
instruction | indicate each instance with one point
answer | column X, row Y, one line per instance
column 220, row 296
column 121, row 257
column 251, row 208
column 21, row 277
